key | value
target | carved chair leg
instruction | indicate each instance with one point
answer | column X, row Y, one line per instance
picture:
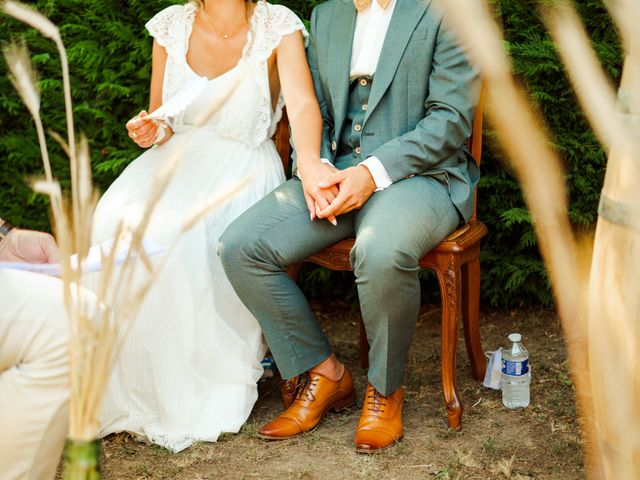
column 450, row 279
column 364, row 346
column 471, row 317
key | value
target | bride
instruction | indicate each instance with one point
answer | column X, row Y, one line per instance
column 190, row 363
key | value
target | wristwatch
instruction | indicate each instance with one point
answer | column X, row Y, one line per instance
column 5, row 228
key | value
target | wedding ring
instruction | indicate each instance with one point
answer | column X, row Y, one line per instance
column 133, row 135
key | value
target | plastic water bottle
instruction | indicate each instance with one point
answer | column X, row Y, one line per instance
column 516, row 376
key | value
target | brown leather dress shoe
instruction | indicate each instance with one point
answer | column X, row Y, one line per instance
column 288, row 390
column 316, row 395
column 381, row 421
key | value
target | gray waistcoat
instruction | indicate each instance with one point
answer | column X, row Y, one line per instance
column 349, row 152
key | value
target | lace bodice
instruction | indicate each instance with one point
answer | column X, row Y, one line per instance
column 246, row 114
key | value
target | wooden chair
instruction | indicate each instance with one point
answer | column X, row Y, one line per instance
column 457, row 266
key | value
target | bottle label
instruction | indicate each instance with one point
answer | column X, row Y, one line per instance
column 515, row 369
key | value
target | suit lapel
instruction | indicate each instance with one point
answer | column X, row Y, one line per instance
column 340, row 44
column 405, row 18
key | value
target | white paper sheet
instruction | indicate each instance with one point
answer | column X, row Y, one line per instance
column 93, row 262
column 181, row 100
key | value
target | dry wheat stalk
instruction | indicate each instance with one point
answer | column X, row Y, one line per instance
column 539, row 172
column 613, row 300
column 98, row 324
column 626, row 13
column 23, row 78
column 48, row 29
column 595, row 93
column 612, row 389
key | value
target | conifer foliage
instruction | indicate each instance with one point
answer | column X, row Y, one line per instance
column 109, row 55
column 512, row 272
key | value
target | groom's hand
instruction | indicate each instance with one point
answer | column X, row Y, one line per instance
column 311, row 174
column 355, row 185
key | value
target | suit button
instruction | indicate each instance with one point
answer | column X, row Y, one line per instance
column 334, row 146
column 357, row 127
column 357, row 150
column 364, row 107
column 363, row 82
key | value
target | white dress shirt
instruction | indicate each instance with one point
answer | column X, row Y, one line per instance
column 371, row 30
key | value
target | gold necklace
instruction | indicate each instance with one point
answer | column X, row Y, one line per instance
column 224, row 36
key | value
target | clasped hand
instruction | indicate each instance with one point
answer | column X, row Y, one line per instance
column 330, row 192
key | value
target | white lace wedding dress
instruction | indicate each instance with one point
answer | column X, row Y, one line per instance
column 190, row 364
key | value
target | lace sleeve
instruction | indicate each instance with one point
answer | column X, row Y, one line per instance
column 273, row 23
column 171, row 29
column 166, row 26
column 285, row 22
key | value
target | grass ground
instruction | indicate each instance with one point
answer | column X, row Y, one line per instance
column 539, row 442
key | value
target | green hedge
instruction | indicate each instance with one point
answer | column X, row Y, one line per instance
column 513, row 273
column 109, row 54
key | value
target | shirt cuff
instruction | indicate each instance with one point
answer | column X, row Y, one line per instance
column 378, row 172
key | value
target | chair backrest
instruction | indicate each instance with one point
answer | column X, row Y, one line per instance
column 475, row 140
column 474, row 143
column 281, row 139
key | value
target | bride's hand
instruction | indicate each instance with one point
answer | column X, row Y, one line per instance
column 311, row 174
column 144, row 131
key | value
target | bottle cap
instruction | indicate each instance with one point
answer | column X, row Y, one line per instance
column 515, row 337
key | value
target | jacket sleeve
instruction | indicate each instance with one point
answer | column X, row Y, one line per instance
column 453, row 93
column 327, row 120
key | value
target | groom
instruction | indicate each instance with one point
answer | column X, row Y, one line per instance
column 397, row 99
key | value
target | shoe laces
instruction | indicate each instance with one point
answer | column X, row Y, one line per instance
column 376, row 401
column 306, row 388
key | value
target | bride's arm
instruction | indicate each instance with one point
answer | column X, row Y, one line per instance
column 144, row 132
column 299, row 96
column 306, row 121
column 158, row 63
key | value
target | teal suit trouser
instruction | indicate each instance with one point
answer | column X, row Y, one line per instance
column 393, row 230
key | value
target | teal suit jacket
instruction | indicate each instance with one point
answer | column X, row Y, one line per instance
column 422, row 99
